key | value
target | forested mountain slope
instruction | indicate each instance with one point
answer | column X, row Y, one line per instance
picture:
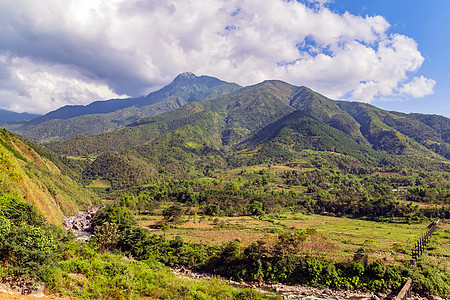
column 239, row 115
column 271, row 122
column 299, row 131
column 29, row 172
column 398, row 132
column 243, row 113
column 101, row 116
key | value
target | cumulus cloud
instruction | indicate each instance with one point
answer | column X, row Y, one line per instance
column 33, row 87
column 56, row 52
column 419, row 87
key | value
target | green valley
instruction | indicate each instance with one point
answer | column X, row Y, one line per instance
column 269, row 183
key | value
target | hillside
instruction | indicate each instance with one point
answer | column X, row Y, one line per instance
column 400, row 133
column 299, row 131
column 101, row 116
column 28, row 173
column 240, row 113
column 269, row 181
column 255, row 125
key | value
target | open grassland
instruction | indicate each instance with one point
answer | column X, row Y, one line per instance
column 337, row 238
column 99, row 184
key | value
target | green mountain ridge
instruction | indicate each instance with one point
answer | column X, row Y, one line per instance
column 397, row 132
column 102, row 116
column 254, row 125
column 246, row 111
column 299, row 131
column 269, row 122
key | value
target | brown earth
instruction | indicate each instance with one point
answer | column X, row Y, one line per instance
column 7, row 296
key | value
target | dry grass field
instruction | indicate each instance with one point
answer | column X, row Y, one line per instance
column 337, row 238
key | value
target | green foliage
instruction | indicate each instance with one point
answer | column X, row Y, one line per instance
column 27, row 245
column 87, row 274
column 121, row 216
column 120, row 170
column 173, row 213
column 106, row 236
column 19, row 212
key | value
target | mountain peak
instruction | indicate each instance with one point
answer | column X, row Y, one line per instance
column 185, row 76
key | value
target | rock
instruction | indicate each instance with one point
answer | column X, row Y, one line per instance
column 81, row 224
column 374, row 297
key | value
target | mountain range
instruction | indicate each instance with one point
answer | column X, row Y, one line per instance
column 101, row 116
column 200, row 122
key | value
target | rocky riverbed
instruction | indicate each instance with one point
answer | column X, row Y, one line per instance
column 297, row 291
column 287, row 291
column 81, row 223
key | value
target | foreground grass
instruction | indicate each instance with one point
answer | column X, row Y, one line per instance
column 84, row 273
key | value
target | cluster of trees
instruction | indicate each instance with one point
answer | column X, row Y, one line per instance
column 27, row 243
column 376, row 197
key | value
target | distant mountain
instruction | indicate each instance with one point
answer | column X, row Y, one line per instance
column 8, row 116
column 101, row 116
column 37, row 176
column 237, row 115
column 271, row 122
column 245, row 111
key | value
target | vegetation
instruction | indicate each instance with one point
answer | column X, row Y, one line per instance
column 29, row 248
column 30, row 172
column 283, row 260
column 270, row 182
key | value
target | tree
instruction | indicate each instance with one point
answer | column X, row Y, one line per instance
column 256, row 208
column 107, row 236
column 173, row 213
column 114, row 214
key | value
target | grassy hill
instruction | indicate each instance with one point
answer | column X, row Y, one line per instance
column 299, row 131
column 26, row 174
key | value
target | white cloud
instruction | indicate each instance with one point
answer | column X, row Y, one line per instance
column 105, row 48
column 37, row 88
column 419, row 87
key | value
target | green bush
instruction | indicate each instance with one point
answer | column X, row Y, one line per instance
column 27, row 245
column 119, row 215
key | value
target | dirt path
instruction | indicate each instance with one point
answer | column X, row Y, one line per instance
column 7, row 296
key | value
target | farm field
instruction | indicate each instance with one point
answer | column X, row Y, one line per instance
column 332, row 237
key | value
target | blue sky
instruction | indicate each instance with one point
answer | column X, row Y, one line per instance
column 392, row 54
column 428, row 23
